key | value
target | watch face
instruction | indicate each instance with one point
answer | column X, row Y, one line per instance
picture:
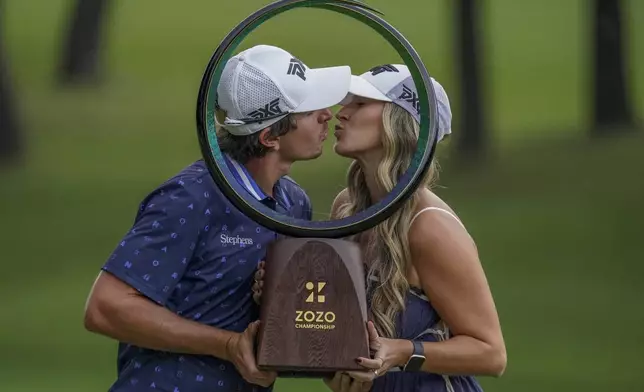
column 415, row 363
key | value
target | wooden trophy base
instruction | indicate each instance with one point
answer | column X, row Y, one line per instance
column 314, row 308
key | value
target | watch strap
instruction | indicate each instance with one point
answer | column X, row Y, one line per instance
column 419, row 349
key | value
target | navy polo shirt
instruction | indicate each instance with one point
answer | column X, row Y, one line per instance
column 193, row 252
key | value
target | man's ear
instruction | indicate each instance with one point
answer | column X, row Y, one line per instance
column 272, row 142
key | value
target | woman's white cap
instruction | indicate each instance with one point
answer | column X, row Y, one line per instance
column 394, row 83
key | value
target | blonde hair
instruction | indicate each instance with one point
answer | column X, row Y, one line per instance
column 389, row 246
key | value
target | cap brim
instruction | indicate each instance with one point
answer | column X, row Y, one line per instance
column 328, row 87
column 362, row 88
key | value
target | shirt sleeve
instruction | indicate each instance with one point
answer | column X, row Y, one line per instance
column 154, row 255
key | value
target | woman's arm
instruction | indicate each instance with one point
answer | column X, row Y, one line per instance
column 447, row 263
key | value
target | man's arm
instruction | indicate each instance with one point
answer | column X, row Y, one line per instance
column 129, row 300
column 116, row 310
column 119, row 311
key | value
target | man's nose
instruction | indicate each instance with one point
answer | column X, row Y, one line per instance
column 325, row 115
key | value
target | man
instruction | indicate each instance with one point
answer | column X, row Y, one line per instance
column 176, row 292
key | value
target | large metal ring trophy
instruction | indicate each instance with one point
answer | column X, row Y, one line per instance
column 314, row 308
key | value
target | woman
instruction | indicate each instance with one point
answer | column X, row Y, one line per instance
column 434, row 323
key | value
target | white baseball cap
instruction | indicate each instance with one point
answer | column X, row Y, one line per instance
column 264, row 84
column 394, row 83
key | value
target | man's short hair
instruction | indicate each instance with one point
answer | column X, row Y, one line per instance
column 242, row 148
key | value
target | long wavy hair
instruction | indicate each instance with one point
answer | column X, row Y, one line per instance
column 388, row 245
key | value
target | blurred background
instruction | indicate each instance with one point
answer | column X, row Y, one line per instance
column 545, row 166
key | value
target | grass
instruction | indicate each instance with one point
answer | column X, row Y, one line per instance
column 556, row 217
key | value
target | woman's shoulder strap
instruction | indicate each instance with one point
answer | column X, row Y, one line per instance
column 434, row 209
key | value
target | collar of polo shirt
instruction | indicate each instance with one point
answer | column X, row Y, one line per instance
column 244, row 178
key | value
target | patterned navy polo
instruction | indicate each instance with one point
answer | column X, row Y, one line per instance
column 193, row 252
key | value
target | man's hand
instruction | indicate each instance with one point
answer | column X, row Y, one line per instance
column 342, row 382
column 240, row 349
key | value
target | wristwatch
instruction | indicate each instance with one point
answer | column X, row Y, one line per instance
column 417, row 358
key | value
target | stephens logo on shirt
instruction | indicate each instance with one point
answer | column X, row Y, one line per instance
column 237, row 240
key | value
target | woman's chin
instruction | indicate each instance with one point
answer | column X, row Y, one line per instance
column 341, row 151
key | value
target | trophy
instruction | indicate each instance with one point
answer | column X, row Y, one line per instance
column 314, row 306
column 314, row 310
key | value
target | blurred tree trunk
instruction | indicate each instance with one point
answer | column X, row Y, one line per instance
column 10, row 146
column 472, row 135
column 81, row 58
column 612, row 109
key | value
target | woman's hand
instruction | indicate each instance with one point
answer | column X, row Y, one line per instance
column 259, row 283
column 342, row 382
column 388, row 353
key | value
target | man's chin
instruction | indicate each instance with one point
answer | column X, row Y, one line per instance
column 316, row 155
column 312, row 156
